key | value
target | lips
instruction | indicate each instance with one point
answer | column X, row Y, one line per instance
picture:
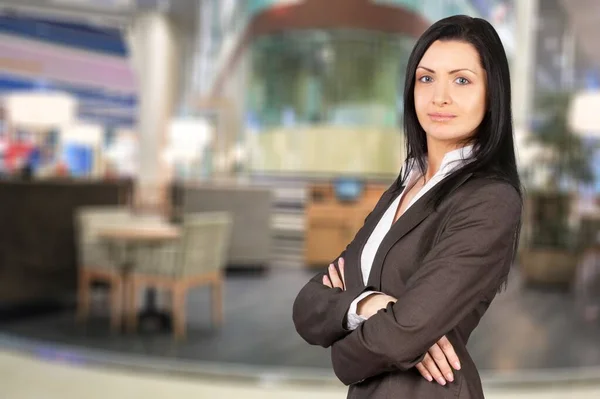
column 441, row 117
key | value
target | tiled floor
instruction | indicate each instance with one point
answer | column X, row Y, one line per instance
column 525, row 330
column 23, row 377
column 526, row 333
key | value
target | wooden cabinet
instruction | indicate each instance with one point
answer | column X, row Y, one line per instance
column 332, row 224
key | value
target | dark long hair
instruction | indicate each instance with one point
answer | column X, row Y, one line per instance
column 493, row 151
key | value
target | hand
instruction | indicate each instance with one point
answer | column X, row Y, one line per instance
column 335, row 280
column 437, row 361
column 372, row 304
column 435, row 364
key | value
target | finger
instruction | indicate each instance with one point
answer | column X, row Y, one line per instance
column 432, row 368
column 342, row 273
column 424, row 372
column 335, row 277
column 442, row 363
column 448, row 350
column 326, row 281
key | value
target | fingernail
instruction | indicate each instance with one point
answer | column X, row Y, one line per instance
column 450, row 377
column 428, row 378
column 457, row 365
column 441, row 381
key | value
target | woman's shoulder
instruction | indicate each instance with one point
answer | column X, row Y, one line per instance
column 491, row 188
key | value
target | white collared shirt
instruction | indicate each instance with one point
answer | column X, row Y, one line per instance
column 451, row 161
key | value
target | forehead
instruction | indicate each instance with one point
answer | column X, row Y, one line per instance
column 451, row 55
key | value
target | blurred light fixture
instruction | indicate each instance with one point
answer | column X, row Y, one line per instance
column 40, row 110
column 584, row 113
column 187, row 139
column 123, row 152
column 83, row 133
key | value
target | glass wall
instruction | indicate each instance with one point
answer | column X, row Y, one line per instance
column 313, row 94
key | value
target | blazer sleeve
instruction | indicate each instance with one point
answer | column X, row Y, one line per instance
column 466, row 266
column 319, row 312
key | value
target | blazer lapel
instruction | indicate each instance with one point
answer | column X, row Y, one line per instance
column 410, row 219
column 366, row 232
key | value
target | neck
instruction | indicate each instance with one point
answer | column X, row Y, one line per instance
column 435, row 155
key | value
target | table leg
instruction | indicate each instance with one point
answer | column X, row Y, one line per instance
column 151, row 318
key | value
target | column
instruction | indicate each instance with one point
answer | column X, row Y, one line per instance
column 524, row 60
column 523, row 79
column 155, row 56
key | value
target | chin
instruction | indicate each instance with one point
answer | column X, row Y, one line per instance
column 445, row 133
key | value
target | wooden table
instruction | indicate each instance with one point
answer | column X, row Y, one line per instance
column 136, row 234
column 141, row 233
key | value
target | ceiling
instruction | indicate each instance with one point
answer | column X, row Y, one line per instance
column 112, row 13
column 72, row 10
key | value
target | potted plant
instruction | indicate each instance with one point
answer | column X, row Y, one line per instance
column 550, row 252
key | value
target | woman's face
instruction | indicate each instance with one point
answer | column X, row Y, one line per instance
column 450, row 92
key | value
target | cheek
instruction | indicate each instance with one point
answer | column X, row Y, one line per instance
column 421, row 102
column 474, row 107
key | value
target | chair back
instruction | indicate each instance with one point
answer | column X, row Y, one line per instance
column 89, row 222
column 204, row 243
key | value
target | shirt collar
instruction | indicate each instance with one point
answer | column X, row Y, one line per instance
column 456, row 158
column 451, row 160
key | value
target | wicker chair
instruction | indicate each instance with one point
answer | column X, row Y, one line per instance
column 196, row 258
column 97, row 262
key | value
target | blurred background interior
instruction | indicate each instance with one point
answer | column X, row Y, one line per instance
column 173, row 171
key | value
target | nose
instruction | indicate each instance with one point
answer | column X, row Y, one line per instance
column 441, row 94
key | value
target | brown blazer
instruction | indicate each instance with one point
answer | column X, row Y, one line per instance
column 445, row 266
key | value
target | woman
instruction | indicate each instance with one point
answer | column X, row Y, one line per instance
column 401, row 301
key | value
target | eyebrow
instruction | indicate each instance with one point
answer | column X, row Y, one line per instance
column 451, row 72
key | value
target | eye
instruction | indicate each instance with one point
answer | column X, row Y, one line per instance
column 462, row 81
column 425, row 79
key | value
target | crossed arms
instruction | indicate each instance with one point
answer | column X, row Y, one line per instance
column 468, row 263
